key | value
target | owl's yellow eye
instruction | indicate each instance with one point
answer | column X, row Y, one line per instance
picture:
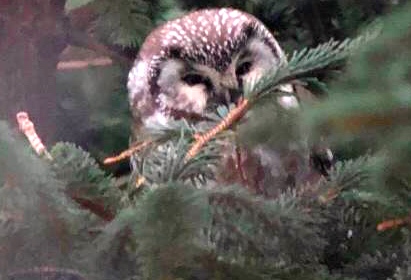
column 243, row 68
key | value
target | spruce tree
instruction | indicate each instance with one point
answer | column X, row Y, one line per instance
column 63, row 217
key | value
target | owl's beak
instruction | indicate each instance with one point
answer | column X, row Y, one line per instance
column 229, row 82
column 230, row 87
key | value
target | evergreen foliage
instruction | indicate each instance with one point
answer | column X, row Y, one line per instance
column 83, row 176
column 39, row 225
column 176, row 220
column 127, row 22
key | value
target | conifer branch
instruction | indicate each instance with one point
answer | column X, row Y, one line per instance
column 87, row 184
column 95, row 206
column 345, row 176
column 230, row 198
column 304, row 63
column 307, row 63
column 233, row 116
column 128, row 153
column 237, row 231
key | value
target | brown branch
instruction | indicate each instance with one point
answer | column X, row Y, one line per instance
column 233, row 116
column 95, row 206
column 128, row 153
column 79, row 64
column 394, row 223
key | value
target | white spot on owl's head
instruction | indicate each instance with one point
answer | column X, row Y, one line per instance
column 234, row 13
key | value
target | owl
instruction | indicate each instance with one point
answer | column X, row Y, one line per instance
column 190, row 65
column 199, row 61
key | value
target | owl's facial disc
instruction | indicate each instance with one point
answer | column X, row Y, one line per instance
column 254, row 61
column 251, row 62
column 195, row 87
column 181, row 88
column 199, row 61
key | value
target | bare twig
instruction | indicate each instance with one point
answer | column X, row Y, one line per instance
column 27, row 127
column 390, row 224
column 128, row 153
column 233, row 116
column 80, row 64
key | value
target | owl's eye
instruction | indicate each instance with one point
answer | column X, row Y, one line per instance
column 195, row 79
column 243, row 68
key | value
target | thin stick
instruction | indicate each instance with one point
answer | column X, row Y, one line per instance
column 233, row 116
column 127, row 153
column 389, row 224
column 140, row 181
column 27, row 127
column 80, row 64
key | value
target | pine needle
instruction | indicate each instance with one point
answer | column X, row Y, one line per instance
column 232, row 116
column 307, row 62
column 128, row 153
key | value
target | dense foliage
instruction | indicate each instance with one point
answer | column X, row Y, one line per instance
column 172, row 218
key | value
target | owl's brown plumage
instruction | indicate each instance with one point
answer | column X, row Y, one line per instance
column 192, row 64
column 204, row 45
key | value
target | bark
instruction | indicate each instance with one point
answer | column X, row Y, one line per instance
column 32, row 35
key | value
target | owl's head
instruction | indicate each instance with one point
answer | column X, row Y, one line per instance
column 197, row 62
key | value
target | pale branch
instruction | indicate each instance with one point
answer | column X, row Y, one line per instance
column 81, row 64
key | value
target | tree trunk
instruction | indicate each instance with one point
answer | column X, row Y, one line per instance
column 32, row 35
